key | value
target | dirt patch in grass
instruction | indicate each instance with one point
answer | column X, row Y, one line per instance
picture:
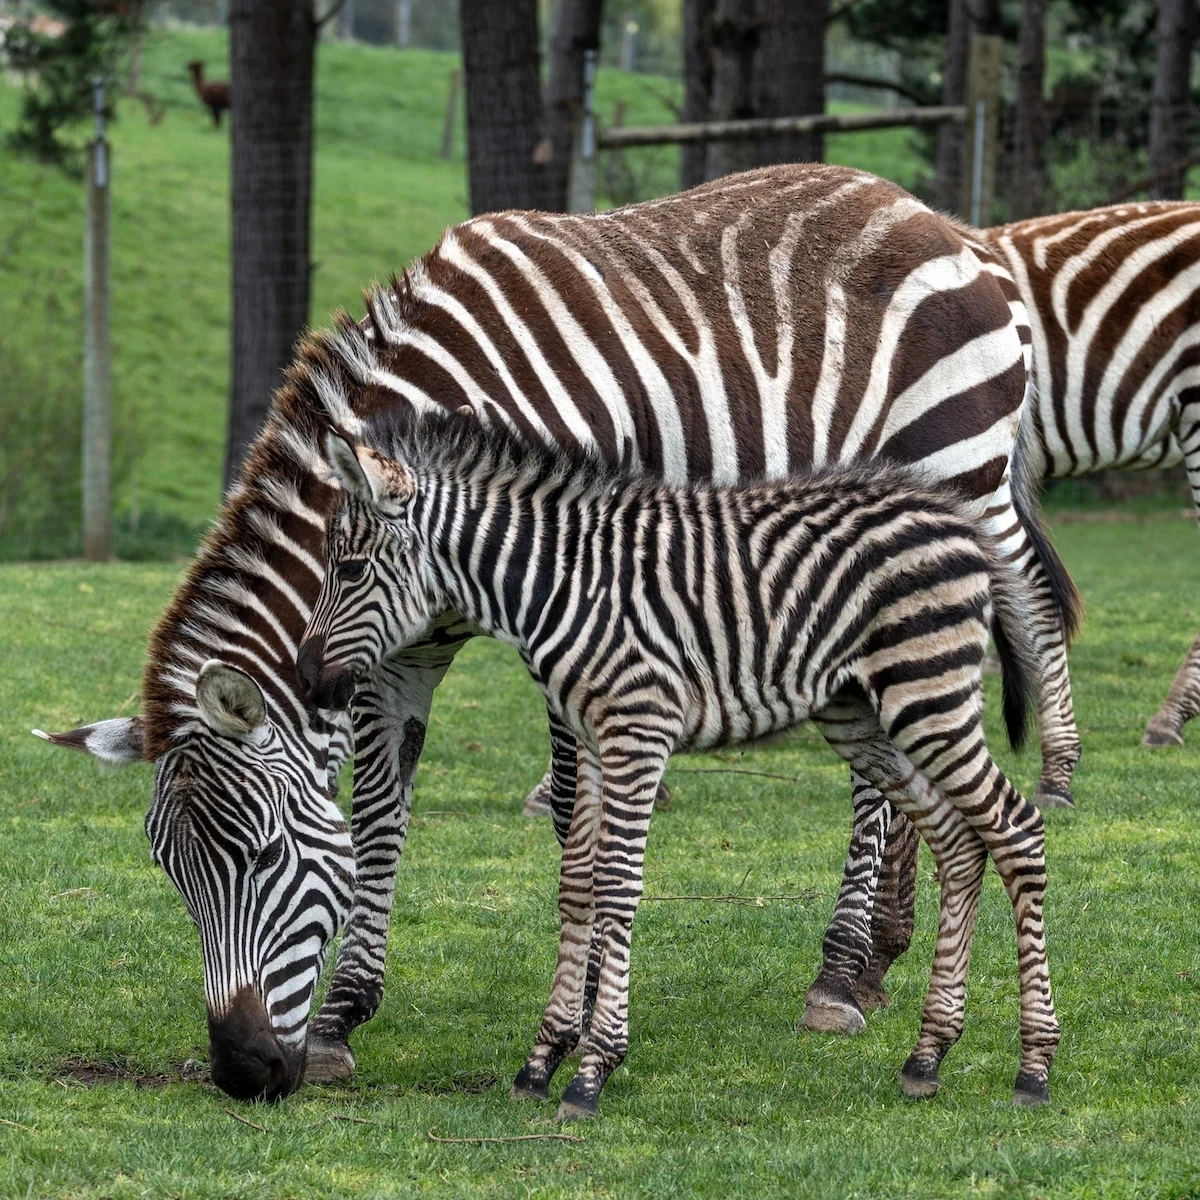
column 86, row 1073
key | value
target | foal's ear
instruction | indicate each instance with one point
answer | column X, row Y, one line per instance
column 231, row 703
column 370, row 476
column 116, row 741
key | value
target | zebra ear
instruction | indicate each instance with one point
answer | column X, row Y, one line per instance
column 230, row 702
column 365, row 473
column 117, row 741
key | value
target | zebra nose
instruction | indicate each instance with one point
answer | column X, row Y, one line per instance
column 247, row 1060
column 335, row 688
column 309, row 660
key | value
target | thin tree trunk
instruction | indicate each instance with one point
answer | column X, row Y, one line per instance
column 697, row 84
column 271, row 59
column 954, row 90
column 1027, row 195
column 736, row 31
column 789, row 76
column 1170, row 105
column 576, row 30
column 504, row 103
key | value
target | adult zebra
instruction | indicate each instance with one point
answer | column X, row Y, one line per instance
column 658, row 618
column 1113, row 297
column 719, row 334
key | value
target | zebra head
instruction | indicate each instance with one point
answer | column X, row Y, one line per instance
column 244, row 824
column 377, row 596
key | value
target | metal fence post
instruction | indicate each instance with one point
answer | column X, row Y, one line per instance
column 581, row 186
column 982, row 129
column 97, row 386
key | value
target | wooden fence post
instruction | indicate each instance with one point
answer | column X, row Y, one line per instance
column 581, row 184
column 982, row 130
column 450, row 120
column 97, row 386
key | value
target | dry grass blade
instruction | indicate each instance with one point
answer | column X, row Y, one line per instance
column 522, row 1137
column 753, row 901
column 344, row 1117
column 17, row 1125
column 733, row 771
column 230, row 1113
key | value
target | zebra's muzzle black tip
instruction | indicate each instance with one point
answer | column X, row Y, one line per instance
column 325, row 686
column 248, row 1062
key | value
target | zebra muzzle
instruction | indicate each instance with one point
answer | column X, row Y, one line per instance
column 248, row 1061
column 325, row 686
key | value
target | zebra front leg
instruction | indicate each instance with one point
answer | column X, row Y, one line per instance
column 1165, row 728
column 563, row 1023
column 831, row 1004
column 390, row 713
column 632, row 767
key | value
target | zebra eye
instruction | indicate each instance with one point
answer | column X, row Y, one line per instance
column 352, row 569
column 269, row 855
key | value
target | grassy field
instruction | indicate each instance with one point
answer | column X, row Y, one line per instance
column 383, row 195
column 102, row 1019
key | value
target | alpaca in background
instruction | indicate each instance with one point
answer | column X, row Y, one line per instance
column 214, row 95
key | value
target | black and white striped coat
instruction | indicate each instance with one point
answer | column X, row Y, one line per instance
column 659, row 618
column 782, row 319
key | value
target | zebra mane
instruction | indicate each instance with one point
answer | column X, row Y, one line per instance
column 246, row 596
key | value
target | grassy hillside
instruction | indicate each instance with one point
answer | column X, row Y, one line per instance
column 383, row 195
column 720, row 1096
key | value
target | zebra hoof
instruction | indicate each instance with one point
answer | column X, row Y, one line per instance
column 580, row 1102
column 825, row 1014
column 530, row 1085
column 537, row 804
column 1161, row 735
column 328, row 1062
column 1031, row 1091
column 1049, row 796
column 919, row 1081
column 871, row 996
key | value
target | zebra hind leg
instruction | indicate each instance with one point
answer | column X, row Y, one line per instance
column 894, row 916
column 562, row 1025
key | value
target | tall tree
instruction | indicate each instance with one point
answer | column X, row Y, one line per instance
column 576, row 30
column 736, row 31
column 504, row 103
column 1027, row 195
column 271, row 59
column 954, row 91
column 697, row 84
column 1170, row 105
column 789, row 75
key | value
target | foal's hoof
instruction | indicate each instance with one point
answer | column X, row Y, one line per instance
column 1030, row 1091
column 537, row 803
column 1049, row 796
column 328, row 1062
column 529, row 1086
column 918, row 1081
column 831, row 1010
column 1161, row 735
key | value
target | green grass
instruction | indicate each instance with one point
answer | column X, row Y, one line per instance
column 720, row 1095
column 383, row 195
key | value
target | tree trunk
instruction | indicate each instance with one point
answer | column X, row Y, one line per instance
column 697, row 85
column 1170, row 105
column 736, row 31
column 1027, row 195
column 954, row 91
column 271, row 60
column 576, row 30
column 504, row 103
column 789, row 76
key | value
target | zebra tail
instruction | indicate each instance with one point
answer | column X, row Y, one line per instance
column 1017, row 685
column 1063, row 591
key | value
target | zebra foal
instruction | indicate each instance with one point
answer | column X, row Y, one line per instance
column 658, row 618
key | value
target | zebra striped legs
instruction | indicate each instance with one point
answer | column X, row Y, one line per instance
column 1165, row 728
column 390, row 714
column 894, row 913
column 600, row 888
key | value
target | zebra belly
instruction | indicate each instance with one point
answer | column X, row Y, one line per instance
column 724, row 717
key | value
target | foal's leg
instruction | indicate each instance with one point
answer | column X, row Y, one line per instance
column 563, row 1023
column 960, row 858
column 894, row 913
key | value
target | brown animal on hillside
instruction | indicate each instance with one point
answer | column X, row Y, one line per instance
column 214, row 94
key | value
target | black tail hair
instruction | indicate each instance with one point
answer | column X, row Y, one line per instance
column 1017, row 685
column 1065, row 594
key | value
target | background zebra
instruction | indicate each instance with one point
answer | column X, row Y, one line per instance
column 657, row 619
column 1113, row 297
column 713, row 334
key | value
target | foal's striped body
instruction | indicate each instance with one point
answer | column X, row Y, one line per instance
column 658, row 619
